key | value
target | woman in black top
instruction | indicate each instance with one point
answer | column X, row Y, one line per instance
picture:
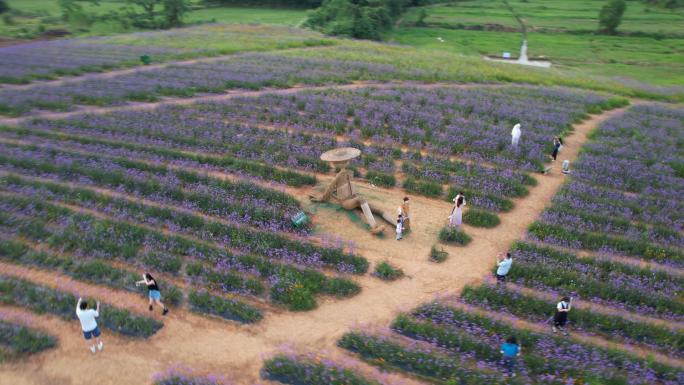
column 561, row 316
column 557, row 143
column 153, row 291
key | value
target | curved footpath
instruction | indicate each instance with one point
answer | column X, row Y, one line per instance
column 223, row 348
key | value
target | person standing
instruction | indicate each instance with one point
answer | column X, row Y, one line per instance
column 510, row 351
column 456, row 217
column 561, row 317
column 153, row 291
column 515, row 135
column 89, row 324
column 400, row 228
column 504, row 266
column 557, row 144
column 405, row 212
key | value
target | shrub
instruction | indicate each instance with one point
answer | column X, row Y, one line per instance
column 481, row 218
column 438, row 255
column 340, row 287
column 381, row 179
column 610, row 16
column 454, row 235
column 422, row 187
column 302, row 371
column 385, row 271
column 203, row 302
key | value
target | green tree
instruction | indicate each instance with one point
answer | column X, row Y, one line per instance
column 610, row 16
column 3, row 6
column 174, row 11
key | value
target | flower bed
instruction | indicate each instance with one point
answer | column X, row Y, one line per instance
column 42, row 299
column 303, row 371
column 612, row 326
column 246, row 71
column 94, row 271
column 18, row 341
column 85, row 235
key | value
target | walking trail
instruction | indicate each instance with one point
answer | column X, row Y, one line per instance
column 213, row 346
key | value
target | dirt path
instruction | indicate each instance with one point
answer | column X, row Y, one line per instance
column 230, row 94
column 237, row 352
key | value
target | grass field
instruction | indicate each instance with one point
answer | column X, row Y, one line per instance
column 641, row 58
column 35, row 15
column 575, row 15
column 650, row 50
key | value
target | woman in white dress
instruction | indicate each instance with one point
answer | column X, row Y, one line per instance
column 456, row 217
column 515, row 135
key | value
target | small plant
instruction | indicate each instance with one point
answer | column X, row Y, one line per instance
column 454, row 235
column 204, row 302
column 481, row 218
column 387, row 272
column 438, row 256
column 381, row 179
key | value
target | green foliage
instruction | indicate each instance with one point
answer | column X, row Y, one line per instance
column 598, row 284
column 42, row 299
column 453, row 235
column 356, row 18
column 387, row 353
column 438, row 255
column 384, row 270
column 93, row 271
column 610, row 16
column 174, row 10
column 4, row 7
column 203, row 302
column 608, row 325
column 381, row 179
column 423, row 187
column 480, row 218
column 21, row 341
column 302, row 371
column 597, row 241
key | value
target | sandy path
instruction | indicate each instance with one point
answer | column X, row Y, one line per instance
column 237, row 352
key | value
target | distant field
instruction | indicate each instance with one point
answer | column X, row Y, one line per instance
column 575, row 15
column 564, row 33
column 46, row 13
column 644, row 59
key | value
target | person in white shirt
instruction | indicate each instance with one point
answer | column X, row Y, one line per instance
column 89, row 324
column 561, row 317
column 504, row 266
column 400, row 228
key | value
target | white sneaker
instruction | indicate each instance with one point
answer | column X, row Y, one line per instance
column 92, row 349
column 100, row 346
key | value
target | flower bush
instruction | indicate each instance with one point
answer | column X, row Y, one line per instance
column 302, row 371
column 384, row 270
column 454, row 235
column 204, row 302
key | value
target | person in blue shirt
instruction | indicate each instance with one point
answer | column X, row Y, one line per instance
column 504, row 266
column 510, row 350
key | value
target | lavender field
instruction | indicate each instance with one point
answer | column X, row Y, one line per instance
column 195, row 167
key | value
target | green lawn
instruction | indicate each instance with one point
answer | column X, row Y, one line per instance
column 644, row 59
column 35, row 15
column 570, row 15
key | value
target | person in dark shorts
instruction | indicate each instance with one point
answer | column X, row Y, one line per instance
column 557, row 144
column 153, row 291
column 504, row 266
column 510, row 351
column 89, row 324
column 561, row 317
